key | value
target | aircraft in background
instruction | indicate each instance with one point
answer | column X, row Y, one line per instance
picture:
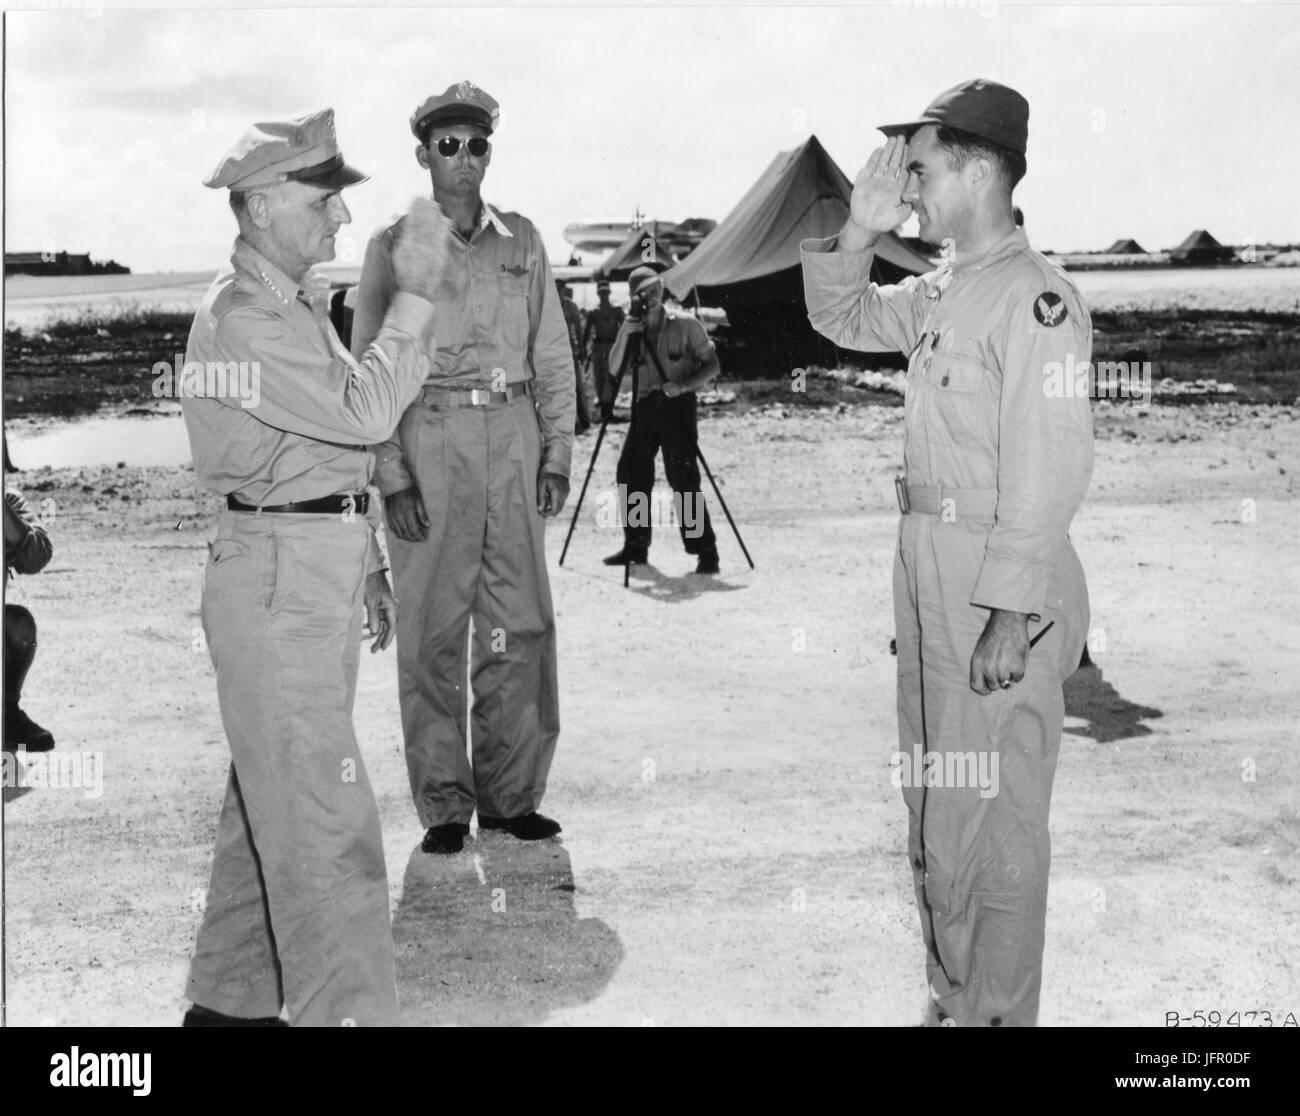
column 602, row 235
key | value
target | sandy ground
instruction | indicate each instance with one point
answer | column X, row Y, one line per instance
column 733, row 848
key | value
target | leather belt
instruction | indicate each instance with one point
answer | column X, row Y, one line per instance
column 948, row 503
column 339, row 504
column 473, row 397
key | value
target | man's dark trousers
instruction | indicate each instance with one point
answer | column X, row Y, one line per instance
column 670, row 425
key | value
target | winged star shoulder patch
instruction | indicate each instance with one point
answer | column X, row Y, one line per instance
column 1049, row 309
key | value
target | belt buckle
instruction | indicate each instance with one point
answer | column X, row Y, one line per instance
column 479, row 397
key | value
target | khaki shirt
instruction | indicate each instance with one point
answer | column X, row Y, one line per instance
column 603, row 323
column 313, row 413
column 984, row 409
column 500, row 322
column 682, row 346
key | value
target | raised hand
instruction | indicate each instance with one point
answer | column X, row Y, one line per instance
column 423, row 253
column 876, row 205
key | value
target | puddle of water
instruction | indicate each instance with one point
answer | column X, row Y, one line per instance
column 133, row 439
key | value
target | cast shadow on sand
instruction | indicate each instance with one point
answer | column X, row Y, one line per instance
column 675, row 590
column 491, row 937
column 1110, row 717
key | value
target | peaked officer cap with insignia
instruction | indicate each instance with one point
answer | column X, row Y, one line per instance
column 983, row 108
column 304, row 149
column 463, row 102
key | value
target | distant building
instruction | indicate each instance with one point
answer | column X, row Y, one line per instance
column 1200, row 248
column 1127, row 247
column 59, row 263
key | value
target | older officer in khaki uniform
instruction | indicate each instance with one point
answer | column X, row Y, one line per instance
column 479, row 461
column 297, row 909
column 997, row 460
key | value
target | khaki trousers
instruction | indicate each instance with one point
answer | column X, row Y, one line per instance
column 484, row 557
column 297, row 908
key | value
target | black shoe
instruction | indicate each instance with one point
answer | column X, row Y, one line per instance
column 628, row 556
column 205, row 1017
column 448, row 838
column 582, row 428
column 708, row 563
column 613, row 419
column 527, row 827
column 22, row 732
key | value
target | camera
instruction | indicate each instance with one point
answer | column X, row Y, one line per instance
column 639, row 307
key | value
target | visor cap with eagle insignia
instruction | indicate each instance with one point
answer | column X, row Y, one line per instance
column 462, row 103
column 303, row 149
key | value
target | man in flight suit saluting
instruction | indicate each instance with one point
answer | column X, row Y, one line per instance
column 997, row 460
column 477, row 464
column 296, row 915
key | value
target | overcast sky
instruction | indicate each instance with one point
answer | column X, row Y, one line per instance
column 1145, row 121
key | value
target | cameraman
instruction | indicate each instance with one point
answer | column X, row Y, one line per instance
column 665, row 416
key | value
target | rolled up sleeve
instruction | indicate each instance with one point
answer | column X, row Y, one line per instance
column 552, row 360
column 1045, row 454
column 845, row 306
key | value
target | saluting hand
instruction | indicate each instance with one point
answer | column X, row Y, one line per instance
column 876, row 204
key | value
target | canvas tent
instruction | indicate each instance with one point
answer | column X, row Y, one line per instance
column 642, row 247
column 1126, row 247
column 749, row 264
column 1201, row 248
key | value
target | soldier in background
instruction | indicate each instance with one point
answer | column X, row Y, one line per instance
column 601, row 331
column 573, row 322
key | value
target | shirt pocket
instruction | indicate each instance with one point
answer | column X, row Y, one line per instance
column 512, row 314
column 961, row 411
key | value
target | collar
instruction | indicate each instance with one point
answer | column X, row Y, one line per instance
column 489, row 216
column 250, row 261
column 1014, row 241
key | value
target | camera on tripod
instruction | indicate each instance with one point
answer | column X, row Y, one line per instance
column 637, row 310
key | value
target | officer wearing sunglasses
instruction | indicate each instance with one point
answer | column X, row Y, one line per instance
column 475, row 465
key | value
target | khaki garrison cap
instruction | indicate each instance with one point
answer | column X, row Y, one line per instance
column 304, row 149
column 983, row 108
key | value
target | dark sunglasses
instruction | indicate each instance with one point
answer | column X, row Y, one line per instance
column 449, row 145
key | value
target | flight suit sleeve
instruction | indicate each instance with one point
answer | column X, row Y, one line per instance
column 33, row 552
column 549, row 352
column 845, row 306
column 307, row 392
column 1045, row 447
column 375, row 293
